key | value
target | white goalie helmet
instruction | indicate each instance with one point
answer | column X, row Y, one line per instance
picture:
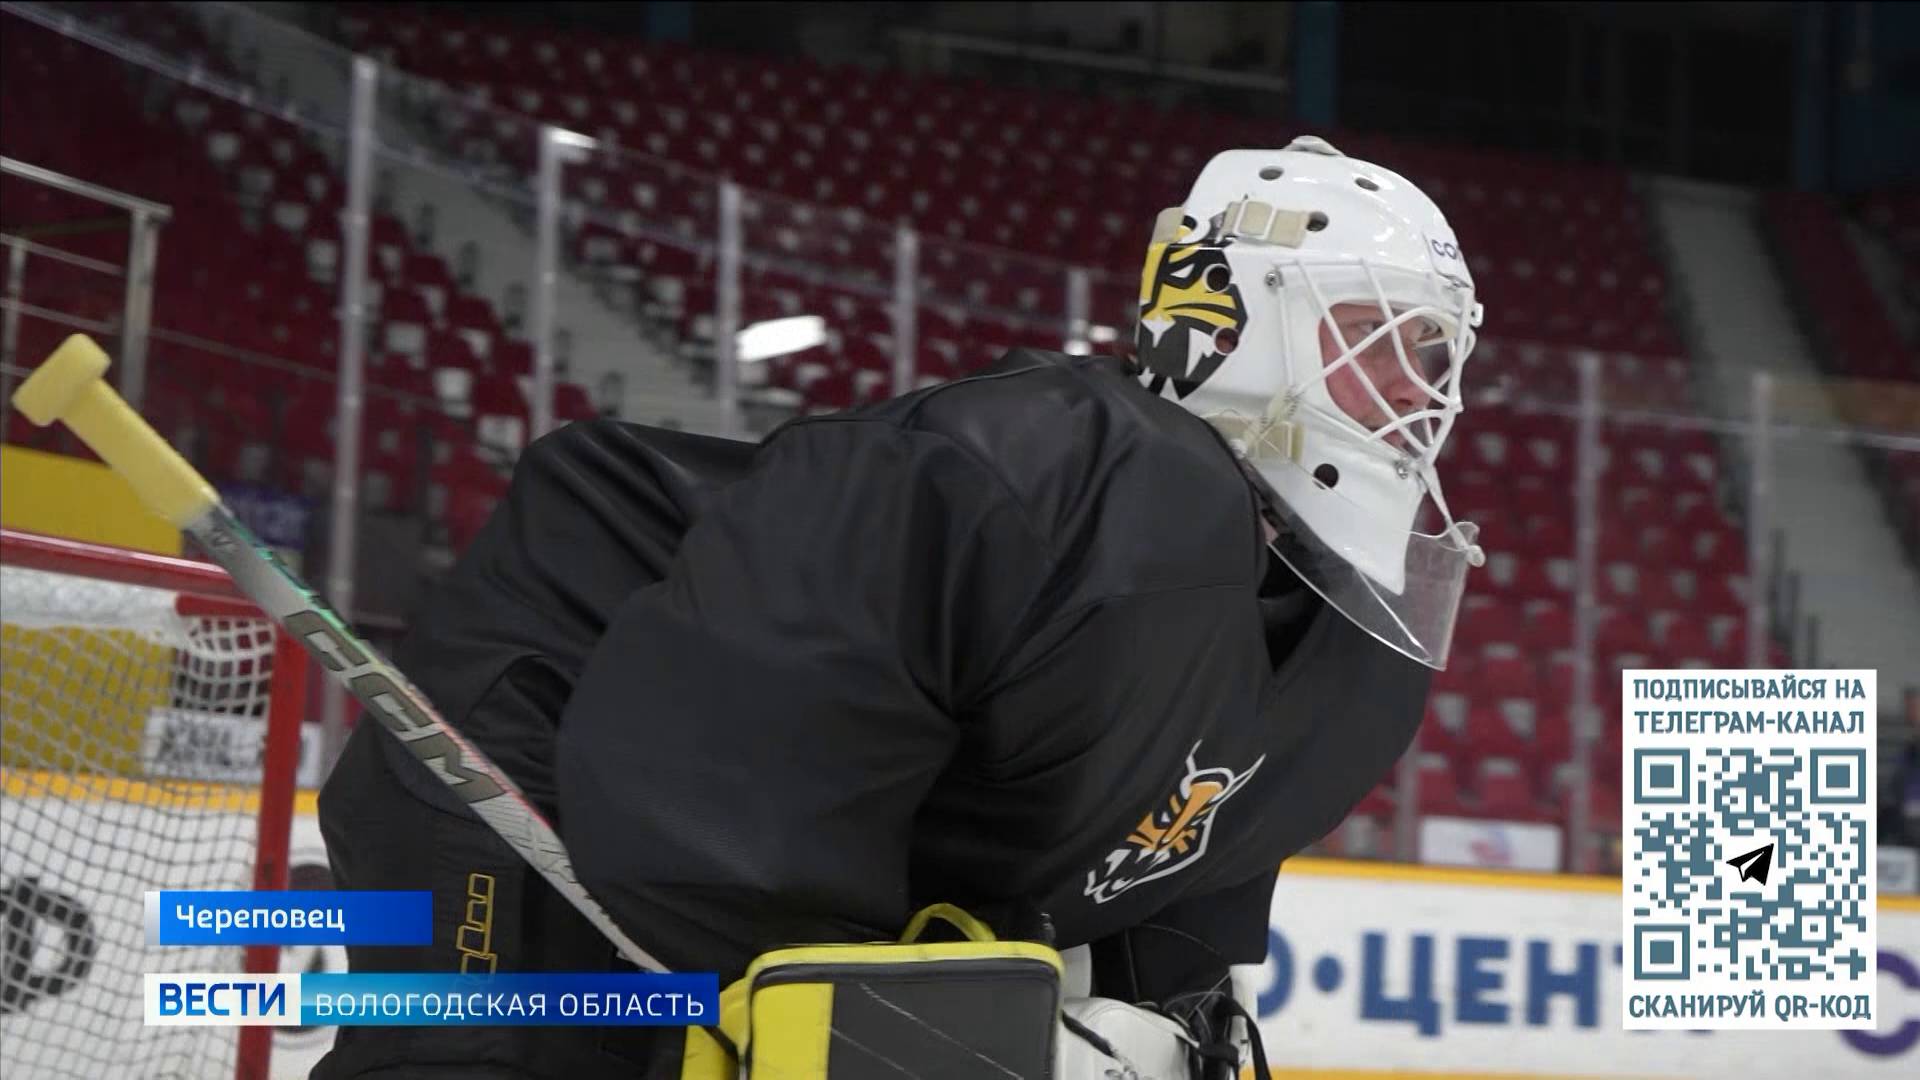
column 1316, row 310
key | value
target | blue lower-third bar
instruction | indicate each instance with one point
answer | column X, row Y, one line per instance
column 636, row 999
column 431, row 1000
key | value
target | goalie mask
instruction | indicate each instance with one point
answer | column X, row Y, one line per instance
column 1317, row 311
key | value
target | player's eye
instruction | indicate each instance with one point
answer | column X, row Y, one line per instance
column 1430, row 361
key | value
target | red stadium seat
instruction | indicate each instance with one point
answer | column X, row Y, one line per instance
column 1438, row 736
column 1485, row 620
column 1505, row 792
column 1438, row 791
column 1687, row 635
column 1549, row 625
column 570, row 402
column 1506, row 678
column 1490, row 733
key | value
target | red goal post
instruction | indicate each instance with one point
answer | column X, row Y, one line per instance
column 119, row 666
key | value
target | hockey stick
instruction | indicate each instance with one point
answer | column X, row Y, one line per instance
column 69, row 388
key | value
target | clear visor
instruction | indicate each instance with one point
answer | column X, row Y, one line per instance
column 1418, row 620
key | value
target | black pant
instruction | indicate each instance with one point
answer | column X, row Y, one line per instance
column 389, row 824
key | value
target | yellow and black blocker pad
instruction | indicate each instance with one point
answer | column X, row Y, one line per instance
column 937, row 1011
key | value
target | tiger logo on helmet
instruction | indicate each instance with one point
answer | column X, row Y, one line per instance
column 1191, row 313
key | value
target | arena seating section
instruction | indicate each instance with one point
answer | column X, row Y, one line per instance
column 1849, row 321
column 964, row 162
column 244, row 263
column 1896, row 215
column 1561, row 253
column 1859, row 338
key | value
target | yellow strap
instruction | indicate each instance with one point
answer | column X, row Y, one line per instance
column 973, row 928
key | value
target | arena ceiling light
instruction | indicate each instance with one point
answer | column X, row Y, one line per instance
column 778, row 337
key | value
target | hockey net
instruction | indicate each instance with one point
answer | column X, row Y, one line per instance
column 151, row 734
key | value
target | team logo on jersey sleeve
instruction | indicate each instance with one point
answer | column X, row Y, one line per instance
column 1173, row 836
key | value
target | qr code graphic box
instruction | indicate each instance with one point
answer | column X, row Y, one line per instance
column 1748, row 836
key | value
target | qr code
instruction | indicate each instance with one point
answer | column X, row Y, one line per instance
column 1752, row 863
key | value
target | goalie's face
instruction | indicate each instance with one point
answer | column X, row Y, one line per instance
column 1376, row 362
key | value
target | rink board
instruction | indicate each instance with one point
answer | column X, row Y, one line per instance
column 1328, row 1008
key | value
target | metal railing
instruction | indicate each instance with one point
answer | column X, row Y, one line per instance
column 936, row 41
column 143, row 249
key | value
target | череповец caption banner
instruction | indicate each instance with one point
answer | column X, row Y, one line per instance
column 293, row 917
column 425, row 999
column 638, row 999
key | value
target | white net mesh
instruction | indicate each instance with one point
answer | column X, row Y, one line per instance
column 132, row 736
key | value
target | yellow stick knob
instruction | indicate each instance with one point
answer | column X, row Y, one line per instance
column 69, row 387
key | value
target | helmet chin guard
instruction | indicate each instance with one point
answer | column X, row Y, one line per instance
column 1416, row 620
column 1317, row 311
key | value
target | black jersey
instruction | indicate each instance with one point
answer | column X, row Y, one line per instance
column 1013, row 642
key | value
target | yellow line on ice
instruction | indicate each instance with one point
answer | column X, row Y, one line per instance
column 1451, row 875
column 161, row 794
